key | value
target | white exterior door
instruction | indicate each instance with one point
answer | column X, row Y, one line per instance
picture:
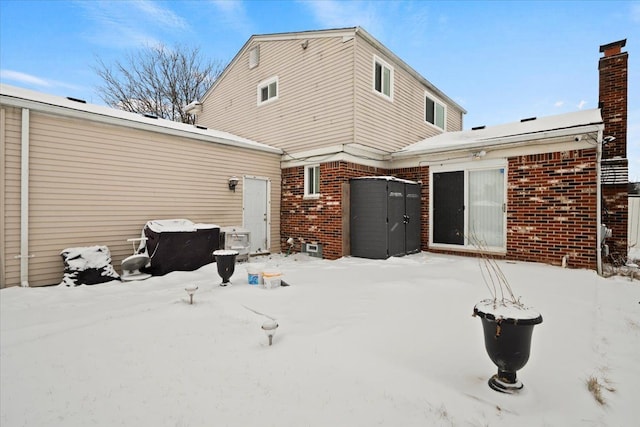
column 256, row 216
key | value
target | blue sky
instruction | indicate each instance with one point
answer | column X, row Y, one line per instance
column 502, row 61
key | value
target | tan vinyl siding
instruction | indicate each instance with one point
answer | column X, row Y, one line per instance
column 315, row 95
column 11, row 196
column 98, row 184
column 388, row 125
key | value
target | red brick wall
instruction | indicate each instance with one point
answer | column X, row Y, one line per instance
column 613, row 103
column 615, row 211
column 552, row 208
column 318, row 220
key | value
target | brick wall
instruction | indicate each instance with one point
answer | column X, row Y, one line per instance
column 613, row 103
column 318, row 220
column 552, row 208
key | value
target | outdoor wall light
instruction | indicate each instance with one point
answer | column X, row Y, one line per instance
column 233, row 181
column 479, row 154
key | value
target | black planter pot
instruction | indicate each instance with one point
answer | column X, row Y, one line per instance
column 508, row 343
column 226, row 263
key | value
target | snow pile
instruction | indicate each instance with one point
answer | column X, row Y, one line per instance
column 87, row 266
column 359, row 343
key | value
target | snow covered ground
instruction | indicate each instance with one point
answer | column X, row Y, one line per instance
column 360, row 343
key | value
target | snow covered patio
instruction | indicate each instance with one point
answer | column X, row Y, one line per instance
column 360, row 343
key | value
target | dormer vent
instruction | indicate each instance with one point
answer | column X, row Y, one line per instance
column 254, row 57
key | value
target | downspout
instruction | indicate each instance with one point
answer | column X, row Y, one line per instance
column 599, row 203
column 24, row 200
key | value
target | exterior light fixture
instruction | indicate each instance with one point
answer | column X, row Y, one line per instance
column 479, row 154
column 191, row 289
column 233, row 181
column 269, row 327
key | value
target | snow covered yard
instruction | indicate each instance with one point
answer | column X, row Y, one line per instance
column 360, row 343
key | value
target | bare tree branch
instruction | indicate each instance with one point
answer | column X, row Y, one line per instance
column 157, row 80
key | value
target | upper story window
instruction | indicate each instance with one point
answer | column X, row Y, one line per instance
column 268, row 90
column 382, row 77
column 312, row 181
column 434, row 111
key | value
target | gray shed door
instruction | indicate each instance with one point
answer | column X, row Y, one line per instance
column 412, row 218
column 396, row 218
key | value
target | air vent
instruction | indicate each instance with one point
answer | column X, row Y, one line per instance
column 200, row 127
column 254, row 57
column 528, row 119
column 150, row 116
column 478, row 127
column 82, row 101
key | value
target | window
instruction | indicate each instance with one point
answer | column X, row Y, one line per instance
column 469, row 202
column 382, row 78
column 268, row 91
column 312, row 181
column 434, row 112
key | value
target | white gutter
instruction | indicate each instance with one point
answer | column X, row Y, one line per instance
column 599, row 203
column 24, row 200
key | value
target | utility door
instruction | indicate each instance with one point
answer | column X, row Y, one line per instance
column 256, row 212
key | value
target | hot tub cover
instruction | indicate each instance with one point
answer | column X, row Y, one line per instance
column 178, row 245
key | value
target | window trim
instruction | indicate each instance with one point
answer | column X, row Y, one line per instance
column 466, row 167
column 266, row 83
column 384, row 64
column 307, row 194
column 436, row 101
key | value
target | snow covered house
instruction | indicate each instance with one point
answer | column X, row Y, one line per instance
column 341, row 105
column 76, row 174
column 327, row 107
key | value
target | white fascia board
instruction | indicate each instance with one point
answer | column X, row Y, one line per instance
column 495, row 152
column 342, row 152
column 136, row 121
column 503, row 142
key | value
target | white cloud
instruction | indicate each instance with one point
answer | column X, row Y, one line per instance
column 115, row 25
column 17, row 76
column 558, row 104
column 31, row 80
column 341, row 14
column 232, row 14
column 161, row 15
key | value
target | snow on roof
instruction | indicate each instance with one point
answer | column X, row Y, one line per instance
column 526, row 129
column 68, row 106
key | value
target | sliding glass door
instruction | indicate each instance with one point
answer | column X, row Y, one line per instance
column 468, row 206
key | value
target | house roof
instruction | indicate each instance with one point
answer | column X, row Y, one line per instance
column 337, row 32
column 494, row 136
column 24, row 98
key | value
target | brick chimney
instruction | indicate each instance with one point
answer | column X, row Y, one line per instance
column 615, row 167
